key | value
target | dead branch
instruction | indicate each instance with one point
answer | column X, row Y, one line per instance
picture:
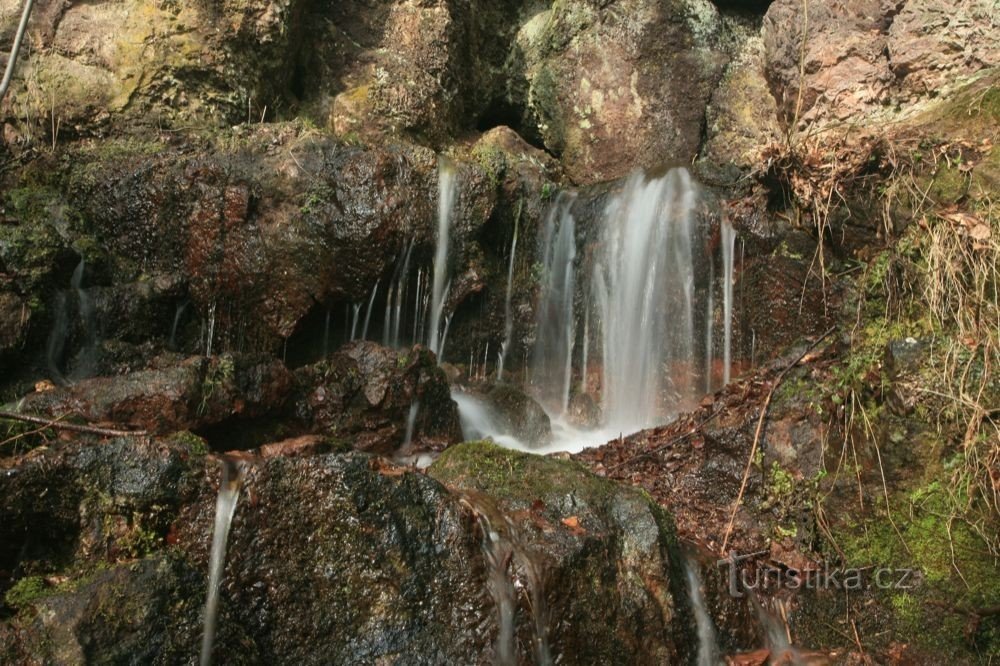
column 760, row 429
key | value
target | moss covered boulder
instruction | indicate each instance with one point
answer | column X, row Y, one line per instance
column 574, row 536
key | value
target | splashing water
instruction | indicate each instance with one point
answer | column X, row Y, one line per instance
column 439, row 289
column 225, row 509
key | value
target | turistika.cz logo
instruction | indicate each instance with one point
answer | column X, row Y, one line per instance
column 764, row 577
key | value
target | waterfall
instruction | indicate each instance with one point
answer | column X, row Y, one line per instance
column 225, row 508
column 394, row 299
column 356, row 309
column 508, row 322
column 551, row 369
column 648, row 312
column 644, row 292
column 728, row 246
column 708, row 645
column 446, row 204
column 417, row 309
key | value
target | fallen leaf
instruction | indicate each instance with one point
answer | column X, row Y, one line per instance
column 572, row 522
column 980, row 232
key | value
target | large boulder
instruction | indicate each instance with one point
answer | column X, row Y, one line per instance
column 374, row 397
column 195, row 393
column 334, row 558
column 520, row 415
column 615, row 86
column 95, row 63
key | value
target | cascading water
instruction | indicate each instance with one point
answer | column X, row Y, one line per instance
column 447, row 181
column 502, row 546
column 225, row 509
column 708, row 644
column 644, row 293
column 551, row 369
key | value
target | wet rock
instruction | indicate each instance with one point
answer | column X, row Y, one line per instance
column 331, row 557
column 15, row 320
column 521, row 497
column 194, row 393
column 364, row 392
column 520, row 415
column 584, row 410
column 98, row 64
column 613, row 86
column 783, row 299
column 122, row 613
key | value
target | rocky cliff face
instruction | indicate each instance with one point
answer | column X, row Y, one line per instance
column 203, row 205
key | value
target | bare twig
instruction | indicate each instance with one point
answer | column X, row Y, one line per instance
column 760, row 429
column 72, row 427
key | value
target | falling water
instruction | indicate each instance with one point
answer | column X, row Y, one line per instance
column 708, row 645
column 508, row 322
column 728, row 245
column 446, row 204
column 225, row 508
column 181, row 307
column 411, row 422
column 87, row 360
column 57, row 338
column 644, row 289
column 356, row 309
column 368, row 312
column 444, row 335
column 326, row 334
column 503, row 546
column 553, row 352
column 710, row 329
column 417, row 309
column 211, row 329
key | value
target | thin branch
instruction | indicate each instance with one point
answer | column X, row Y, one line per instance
column 760, row 429
column 72, row 427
